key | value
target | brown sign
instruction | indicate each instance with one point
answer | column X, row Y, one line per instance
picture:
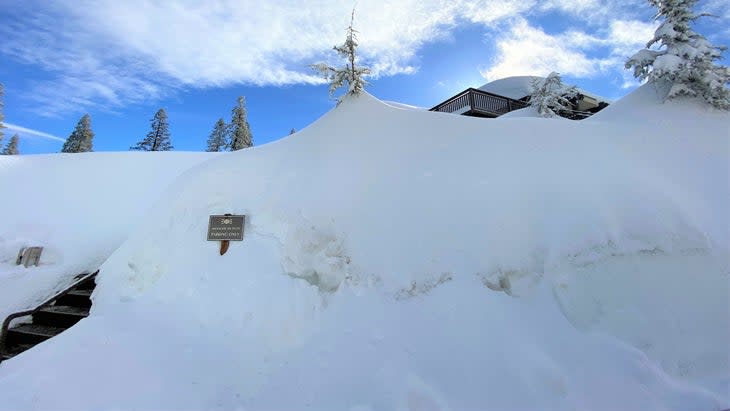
column 226, row 227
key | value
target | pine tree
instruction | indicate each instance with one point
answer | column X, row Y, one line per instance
column 81, row 139
column 239, row 130
column 684, row 59
column 292, row 131
column 218, row 137
column 350, row 73
column 2, row 116
column 12, row 147
column 158, row 139
column 550, row 96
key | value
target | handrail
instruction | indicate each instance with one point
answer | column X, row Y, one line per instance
column 487, row 102
column 6, row 324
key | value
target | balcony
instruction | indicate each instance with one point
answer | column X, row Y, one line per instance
column 478, row 103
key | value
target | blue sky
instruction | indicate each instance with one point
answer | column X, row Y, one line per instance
column 121, row 61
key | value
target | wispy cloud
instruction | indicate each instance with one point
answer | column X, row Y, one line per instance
column 109, row 53
column 29, row 132
column 528, row 50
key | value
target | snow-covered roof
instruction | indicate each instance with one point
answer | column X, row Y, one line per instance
column 512, row 87
column 517, row 87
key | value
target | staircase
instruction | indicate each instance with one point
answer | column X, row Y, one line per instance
column 49, row 319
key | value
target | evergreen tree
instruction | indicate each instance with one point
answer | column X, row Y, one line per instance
column 81, row 139
column 240, row 132
column 218, row 137
column 550, row 96
column 292, row 131
column 12, row 147
column 158, row 139
column 350, row 73
column 684, row 59
column 2, row 116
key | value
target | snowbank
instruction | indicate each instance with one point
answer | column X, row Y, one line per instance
column 79, row 207
column 402, row 105
column 527, row 112
column 405, row 259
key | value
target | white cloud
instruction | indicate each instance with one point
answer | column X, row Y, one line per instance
column 574, row 5
column 720, row 9
column 110, row 53
column 528, row 50
column 629, row 36
column 490, row 12
column 28, row 132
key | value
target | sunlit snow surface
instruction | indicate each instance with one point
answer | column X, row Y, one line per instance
column 399, row 259
column 79, row 207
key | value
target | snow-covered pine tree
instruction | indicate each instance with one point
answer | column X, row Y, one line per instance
column 550, row 96
column 12, row 147
column 351, row 72
column 239, row 130
column 684, row 59
column 158, row 139
column 218, row 137
column 81, row 139
column 2, row 116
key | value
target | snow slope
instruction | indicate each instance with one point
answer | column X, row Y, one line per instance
column 79, row 207
column 527, row 112
column 410, row 260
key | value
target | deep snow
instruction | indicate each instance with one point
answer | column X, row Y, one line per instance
column 79, row 207
column 402, row 259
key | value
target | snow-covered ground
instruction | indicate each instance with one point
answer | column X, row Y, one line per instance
column 400, row 259
column 79, row 207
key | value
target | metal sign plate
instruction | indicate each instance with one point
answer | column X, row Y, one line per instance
column 226, row 227
column 29, row 256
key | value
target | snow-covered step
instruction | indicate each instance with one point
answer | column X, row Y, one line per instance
column 77, row 298
column 66, row 309
column 32, row 333
column 50, row 320
column 81, row 293
column 16, row 350
column 60, row 315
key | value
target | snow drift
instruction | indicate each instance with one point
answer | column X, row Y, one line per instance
column 404, row 259
column 79, row 207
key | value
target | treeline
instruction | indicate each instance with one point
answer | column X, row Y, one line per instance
column 232, row 136
column 225, row 137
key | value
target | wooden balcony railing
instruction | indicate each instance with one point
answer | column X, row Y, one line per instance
column 479, row 103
